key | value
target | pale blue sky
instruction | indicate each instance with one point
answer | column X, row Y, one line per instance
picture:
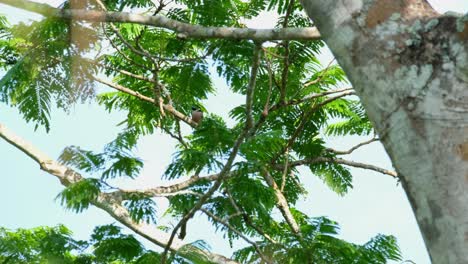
column 375, row 205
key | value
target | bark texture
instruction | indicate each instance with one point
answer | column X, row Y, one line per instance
column 409, row 66
column 183, row 30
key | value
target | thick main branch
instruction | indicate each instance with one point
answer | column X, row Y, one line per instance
column 183, row 29
column 106, row 202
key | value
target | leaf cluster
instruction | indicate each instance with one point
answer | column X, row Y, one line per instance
column 320, row 244
column 55, row 245
column 293, row 110
column 49, row 52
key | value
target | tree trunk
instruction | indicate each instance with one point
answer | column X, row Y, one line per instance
column 409, row 66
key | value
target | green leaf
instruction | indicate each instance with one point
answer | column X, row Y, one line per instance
column 110, row 245
column 38, row 245
column 81, row 159
column 141, row 209
column 337, row 177
column 123, row 165
column 79, row 196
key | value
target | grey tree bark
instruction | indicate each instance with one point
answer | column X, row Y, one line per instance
column 409, row 66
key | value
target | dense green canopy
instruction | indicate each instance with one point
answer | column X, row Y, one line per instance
column 236, row 175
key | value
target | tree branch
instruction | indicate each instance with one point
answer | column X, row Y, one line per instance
column 339, row 161
column 125, row 56
column 319, row 78
column 124, row 72
column 286, row 58
column 282, row 203
column 277, row 106
column 251, row 87
column 177, row 187
column 247, row 219
column 167, row 107
column 270, row 84
column 313, row 96
column 106, row 202
column 164, row 190
column 204, row 198
column 305, row 119
column 285, row 170
column 142, row 52
column 227, row 166
column 177, row 137
column 349, row 151
column 185, row 30
column 246, row 239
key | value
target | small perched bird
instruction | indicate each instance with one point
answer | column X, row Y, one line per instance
column 197, row 115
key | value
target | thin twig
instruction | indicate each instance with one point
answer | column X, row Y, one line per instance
column 286, row 60
column 312, row 96
column 124, row 72
column 251, row 85
column 305, row 119
column 247, row 219
column 125, row 56
column 285, row 171
column 317, row 160
column 140, row 52
column 229, row 217
column 349, row 151
column 168, row 108
column 270, row 86
column 279, row 106
column 177, row 137
column 320, row 77
column 272, row 53
column 231, row 200
column 179, row 132
column 284, row 74
column 246, row 239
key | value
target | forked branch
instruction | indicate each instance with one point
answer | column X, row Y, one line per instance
column 282, row 203
column 104, row 201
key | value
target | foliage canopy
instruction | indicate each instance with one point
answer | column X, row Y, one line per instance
column 249, row 169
